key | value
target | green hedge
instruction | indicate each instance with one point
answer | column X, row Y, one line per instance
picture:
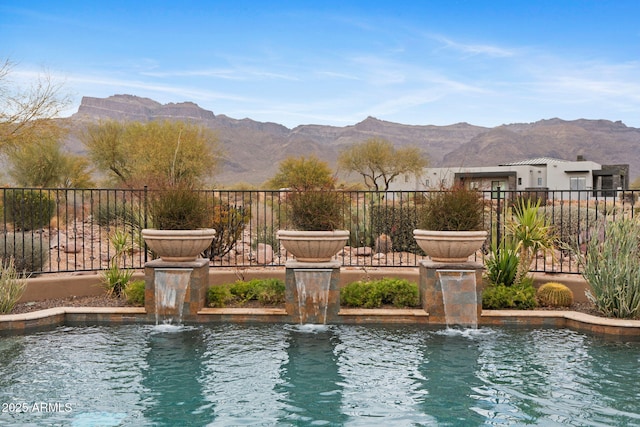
column 265, row 291
column 376, row 293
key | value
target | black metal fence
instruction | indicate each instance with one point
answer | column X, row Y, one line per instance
column 71, row 230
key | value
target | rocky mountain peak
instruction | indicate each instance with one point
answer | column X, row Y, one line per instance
column 131, row 107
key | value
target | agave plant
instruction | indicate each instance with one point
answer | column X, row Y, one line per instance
column 502, row 264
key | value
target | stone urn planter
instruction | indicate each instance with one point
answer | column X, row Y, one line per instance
column 178, row 245
column 313, row 246
column 451, row 224
column 449, row 246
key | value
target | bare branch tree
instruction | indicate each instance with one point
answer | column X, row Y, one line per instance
column 24, row 109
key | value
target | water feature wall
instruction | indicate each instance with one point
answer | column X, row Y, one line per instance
column 171, row 286
column 168, row 282
column 312, row 293
column 451, row 293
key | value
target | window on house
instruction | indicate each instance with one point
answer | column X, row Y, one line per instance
column 577, row 183
column 494, row 189
column 539, row 181
column 426, row 183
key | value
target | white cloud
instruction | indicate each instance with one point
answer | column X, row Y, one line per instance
column 474, row 49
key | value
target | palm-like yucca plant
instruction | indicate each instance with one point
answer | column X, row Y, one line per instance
column 529, row 228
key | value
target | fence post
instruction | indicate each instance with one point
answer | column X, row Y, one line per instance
column 498, row 221
column 145, row 213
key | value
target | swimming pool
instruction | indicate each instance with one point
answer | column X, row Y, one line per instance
column 268, row 374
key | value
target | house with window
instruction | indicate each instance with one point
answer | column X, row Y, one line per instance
column 540, row 174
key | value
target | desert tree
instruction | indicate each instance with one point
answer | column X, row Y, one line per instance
column 157, row 153
column 28, row 111
column 302, row 173
column 379, row 162
column 39, row 159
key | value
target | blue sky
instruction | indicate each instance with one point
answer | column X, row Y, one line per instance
column 336, row 62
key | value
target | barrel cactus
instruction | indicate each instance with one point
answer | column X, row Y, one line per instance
column 554, row 294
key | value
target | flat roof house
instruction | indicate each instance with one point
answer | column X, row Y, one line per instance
column 540, row 174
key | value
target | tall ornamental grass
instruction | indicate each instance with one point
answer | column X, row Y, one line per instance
column 12, row 285
column 611, row 266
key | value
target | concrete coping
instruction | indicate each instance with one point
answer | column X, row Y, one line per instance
column 57, row 311
column 633, row 326
column 564, row 314
column 243, row 311
column 383, row 312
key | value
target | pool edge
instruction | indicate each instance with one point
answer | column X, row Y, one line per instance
column 53, row 317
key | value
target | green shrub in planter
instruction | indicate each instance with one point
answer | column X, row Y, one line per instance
column 219, row 296
column 520, row 296
column 456, row 209
column 28, row 209
column 376, row 293
column 316, row 210
column 265, row 291
column 179, row 207
column 134, row 293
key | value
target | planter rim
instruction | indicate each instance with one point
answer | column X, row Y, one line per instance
column 296, row 233
column 422, row 232
column 199, row 232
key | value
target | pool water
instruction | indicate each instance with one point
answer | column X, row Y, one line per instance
column 270, row 374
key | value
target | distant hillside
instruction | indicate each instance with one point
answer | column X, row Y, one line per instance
column 254, row 149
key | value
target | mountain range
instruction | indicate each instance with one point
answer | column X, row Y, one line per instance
column 254, row 149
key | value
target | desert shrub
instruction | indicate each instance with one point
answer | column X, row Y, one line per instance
column 115, row 278
column 12, row 285
column 456, row 209
column 28, row 209
column 265, row 291
column 219, row 296
column 321, row 210
column 611, row 266
column 29, row 251
column 376, row 293
column 570, row 223
column 178, row 207
column 119, row 211
column 134, row 292
column 397, row 222
column 521, row 296
column 554, row 294
column 229, row 223
column 359, row 224
column 266, row 235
